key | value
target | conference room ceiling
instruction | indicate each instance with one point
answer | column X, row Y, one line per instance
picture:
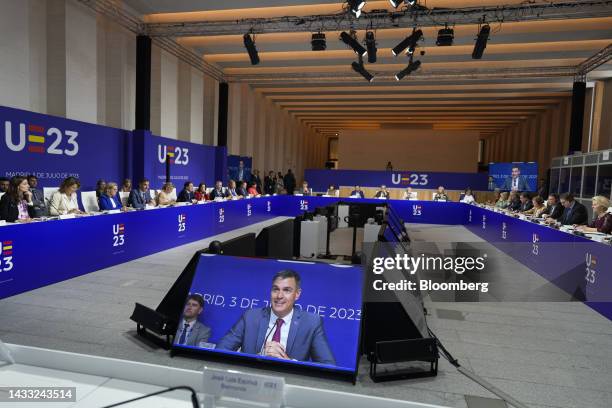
column 524, row 69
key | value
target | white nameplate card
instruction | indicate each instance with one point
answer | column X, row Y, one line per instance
column 2, row 222
column 243, row 386
column 66, row 216
column 113, row 211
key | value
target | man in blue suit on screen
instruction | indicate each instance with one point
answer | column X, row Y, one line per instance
column 516, row 182
column 281, row 330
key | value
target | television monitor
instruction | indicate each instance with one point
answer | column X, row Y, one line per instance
column 397, row 224
column 397, row 315
column 239, row 315
column 244, row 245
column 276, row 241
column 520, row 176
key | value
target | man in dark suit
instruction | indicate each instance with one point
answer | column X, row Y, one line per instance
column 575, row 213
column 141, row 197
column 242, row 189
column 526, row 203
column 190, row 331
column 289, row 181
column 241, row 174
column 187, row 195
column 269, row 183
column 281, row 330
column 515, row 201
column 382, row 193
column 4, row 185
column 218, row 192
column 516, row 182
column 357, row 192
column 554, row 210
column 38, row 198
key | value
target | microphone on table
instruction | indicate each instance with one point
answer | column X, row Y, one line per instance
column 266, row 339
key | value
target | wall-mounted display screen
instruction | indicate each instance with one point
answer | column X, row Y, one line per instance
column 516, row 176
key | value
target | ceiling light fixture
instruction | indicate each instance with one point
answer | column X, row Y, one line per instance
column 446, row 36
column 360, row 69
column 413, row 66
column 249, row 44
column 371, row 46
column 408, row 42
column 355, row 6
column 481, row 42
column 353, row 43
column 318, row 42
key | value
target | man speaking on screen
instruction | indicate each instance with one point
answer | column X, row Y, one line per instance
column 515, row 182
column 281, row 330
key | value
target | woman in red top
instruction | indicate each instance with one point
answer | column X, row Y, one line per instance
column 252, row 190
column 200, row 193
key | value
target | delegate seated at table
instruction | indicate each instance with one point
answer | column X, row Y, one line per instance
column 64, row 201
column 110, row 200
column 141, row 197
column 187, row 194
column 575, row 213
column 357, row 192
column 382, row 193
column 16, row 204
column 503, row 202
column 602, row 219
column 165, row 195
column 440, row 195
column 537, row 208
column 201, row 194
column 554, row 210
column 218, row 191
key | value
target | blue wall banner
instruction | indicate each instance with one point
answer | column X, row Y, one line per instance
column 320, row 180
column 53, row 148
column 188, row 161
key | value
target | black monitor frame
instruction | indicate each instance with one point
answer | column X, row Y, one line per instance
column 253, row 361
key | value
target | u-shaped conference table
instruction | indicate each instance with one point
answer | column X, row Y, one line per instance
column 42, row 253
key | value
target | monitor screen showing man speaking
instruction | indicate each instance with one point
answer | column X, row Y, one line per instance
column 302, row 313
column 519, row 177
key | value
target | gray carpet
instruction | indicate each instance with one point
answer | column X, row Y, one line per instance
column 544, row 354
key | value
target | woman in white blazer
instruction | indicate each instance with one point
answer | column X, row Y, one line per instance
column 64, row 201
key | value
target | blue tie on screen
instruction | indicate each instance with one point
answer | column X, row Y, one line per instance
column 184, row 334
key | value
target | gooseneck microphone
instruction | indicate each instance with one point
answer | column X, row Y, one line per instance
column 266, row 339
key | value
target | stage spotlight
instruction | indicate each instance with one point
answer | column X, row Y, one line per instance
column 371, row 46
column 318, row 42
column 397, row 3
column 250, row 46
column 408, row 42
column 481, row 42
column 353, row 43
column 360, row 69
column 445, row 36
column 355, row 6
column 413, row 66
